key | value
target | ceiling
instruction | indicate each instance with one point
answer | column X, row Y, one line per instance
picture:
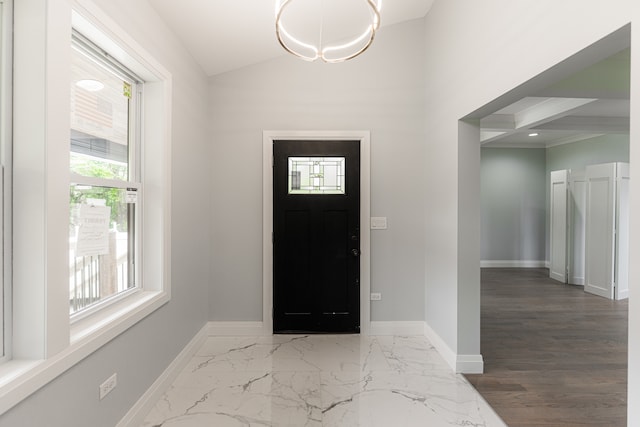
column 224, row 35
column 591, row 103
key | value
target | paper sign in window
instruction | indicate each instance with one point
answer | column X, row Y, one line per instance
column 93, row 230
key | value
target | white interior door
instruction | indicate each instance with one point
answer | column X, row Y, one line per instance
column 577, row 226
column 558, row 226
column 622, row 233
column 599, row 248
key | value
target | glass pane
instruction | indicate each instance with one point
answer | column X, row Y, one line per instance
column 100, row 239
column 99, row 119
column 316, row 175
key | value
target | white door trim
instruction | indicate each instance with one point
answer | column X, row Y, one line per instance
column 268, row 137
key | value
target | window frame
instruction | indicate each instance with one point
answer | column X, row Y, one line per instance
column 85, row 46
column 45, row 342
column 6, row 69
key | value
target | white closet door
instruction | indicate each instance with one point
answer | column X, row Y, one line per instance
column 558, row 226
column 622, row 234
column 600, row 254
column 577, row 226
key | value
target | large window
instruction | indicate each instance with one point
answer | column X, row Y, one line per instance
column 105, row 182
column 81, row 172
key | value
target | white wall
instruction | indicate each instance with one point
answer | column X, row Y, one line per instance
column 141, row 354
column 382, row 91
column 480, row 51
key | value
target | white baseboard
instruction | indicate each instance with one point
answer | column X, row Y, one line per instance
column 512, row 264
column 547, row 264
column 579, row 281
column 397, row 328
column 135, row 416
column 237, row 329
column 469, row 364
column 459, row 363
column 623, row 294
column 445, row 351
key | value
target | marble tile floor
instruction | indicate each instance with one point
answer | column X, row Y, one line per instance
column 320, row 380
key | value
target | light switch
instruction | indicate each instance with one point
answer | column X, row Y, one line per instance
column 379, row 223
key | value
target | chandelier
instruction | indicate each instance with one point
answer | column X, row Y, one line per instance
column 310, row 30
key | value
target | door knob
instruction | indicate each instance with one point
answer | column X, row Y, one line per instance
column 355, row 252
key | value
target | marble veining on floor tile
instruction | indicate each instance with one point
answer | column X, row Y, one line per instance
column 319, row 381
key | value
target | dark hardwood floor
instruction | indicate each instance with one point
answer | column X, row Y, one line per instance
column 554, row 355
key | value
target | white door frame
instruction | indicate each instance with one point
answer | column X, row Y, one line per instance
column 268, row 138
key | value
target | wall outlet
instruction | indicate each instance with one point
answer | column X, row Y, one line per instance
column 376, row 296
column 107, row 386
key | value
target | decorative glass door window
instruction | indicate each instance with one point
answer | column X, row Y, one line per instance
column 316, row 175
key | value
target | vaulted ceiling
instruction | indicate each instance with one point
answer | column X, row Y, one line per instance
column 225, row 35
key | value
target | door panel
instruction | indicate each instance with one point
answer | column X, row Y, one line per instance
column 316, row 214
column 298, row 253
column 622, row 235
column 600, row 230
column 558, row 227
column 335, row 298
column 577, row 227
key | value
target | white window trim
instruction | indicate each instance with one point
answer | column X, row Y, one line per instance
column 46, row 344
column 6, row 38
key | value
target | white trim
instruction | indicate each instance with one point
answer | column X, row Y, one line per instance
column 404, row 328
column 469, row 364
column 622, row 294
column 512, row 264
column 578, row 281
column 547, row 264
column 268, row 137
column 236, row 329
column 459, row 363
column 46, row 344
column 438, row 343
column 136, row 415
column 21, row 378
column 6, row 177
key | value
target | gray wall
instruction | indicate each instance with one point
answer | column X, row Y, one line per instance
column 603, row 149
column 515, row 193
column 141, row 354
column 513, row 204
column 382, row 91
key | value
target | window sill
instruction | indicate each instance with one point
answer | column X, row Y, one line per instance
column 21, row 378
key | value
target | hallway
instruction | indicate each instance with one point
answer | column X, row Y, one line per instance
column 554, row 355
column 320, row 380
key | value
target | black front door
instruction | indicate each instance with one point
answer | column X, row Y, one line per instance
column 316, row 242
